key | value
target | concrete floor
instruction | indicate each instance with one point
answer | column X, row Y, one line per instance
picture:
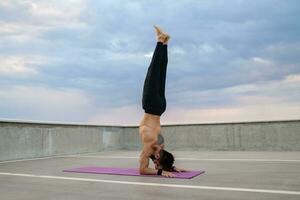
column 229, row 175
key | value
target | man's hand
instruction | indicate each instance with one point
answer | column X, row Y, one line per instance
column 176, row 169
column 167, row 174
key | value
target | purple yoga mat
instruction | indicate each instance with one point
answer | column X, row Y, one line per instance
column 128, row 172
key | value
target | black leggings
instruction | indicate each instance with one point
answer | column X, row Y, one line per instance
column 154, row 100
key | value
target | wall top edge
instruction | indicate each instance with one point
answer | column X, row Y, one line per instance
column 134, row 126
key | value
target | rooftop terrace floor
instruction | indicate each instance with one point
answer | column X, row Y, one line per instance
column 229, row 175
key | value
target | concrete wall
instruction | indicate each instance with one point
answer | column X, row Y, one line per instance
column 246, row 136
column 255, row 136
column 20, row 140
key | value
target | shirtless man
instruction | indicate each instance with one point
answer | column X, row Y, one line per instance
column 154, row 104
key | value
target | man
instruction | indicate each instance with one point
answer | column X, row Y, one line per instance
column 154, row 104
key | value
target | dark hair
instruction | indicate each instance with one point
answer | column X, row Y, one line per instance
column 166, row 160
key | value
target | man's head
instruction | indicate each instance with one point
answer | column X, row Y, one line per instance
column 164, row 161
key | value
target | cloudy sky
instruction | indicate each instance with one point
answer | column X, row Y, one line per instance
column 85, row 61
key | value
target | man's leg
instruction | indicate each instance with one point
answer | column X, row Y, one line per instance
column 163, row 72
column 152, row 101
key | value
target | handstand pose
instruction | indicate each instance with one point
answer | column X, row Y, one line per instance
column 154, row 104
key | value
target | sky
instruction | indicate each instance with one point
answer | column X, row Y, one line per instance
column 85, row 61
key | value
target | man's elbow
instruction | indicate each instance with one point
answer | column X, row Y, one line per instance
column 142, row 171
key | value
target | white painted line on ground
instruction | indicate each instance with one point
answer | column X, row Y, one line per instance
column 135, row 157
column 155, row 184
column 29, row 159
column 195, row 159
column 239, row 159
column 112, row 157
column 42, row 158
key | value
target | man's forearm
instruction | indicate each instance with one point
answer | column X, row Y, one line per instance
column 148, row 171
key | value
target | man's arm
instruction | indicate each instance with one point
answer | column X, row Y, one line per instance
column 144, row 165
column 149, row 141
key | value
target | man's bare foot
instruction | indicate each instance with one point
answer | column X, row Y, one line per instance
column 161, row 36
column 166, row 39
column 158, row 30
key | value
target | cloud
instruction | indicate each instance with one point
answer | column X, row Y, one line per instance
column 42, row 12
column 275, row 100
column 42, row 103
column 220, row 53
column 149, row 55
column 255, row 112
column 123, row 115
column 20, row 66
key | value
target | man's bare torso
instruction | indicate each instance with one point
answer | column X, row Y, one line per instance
column 149, row 129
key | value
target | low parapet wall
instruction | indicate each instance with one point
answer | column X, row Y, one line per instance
column 19, row 140
column 239, row 136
